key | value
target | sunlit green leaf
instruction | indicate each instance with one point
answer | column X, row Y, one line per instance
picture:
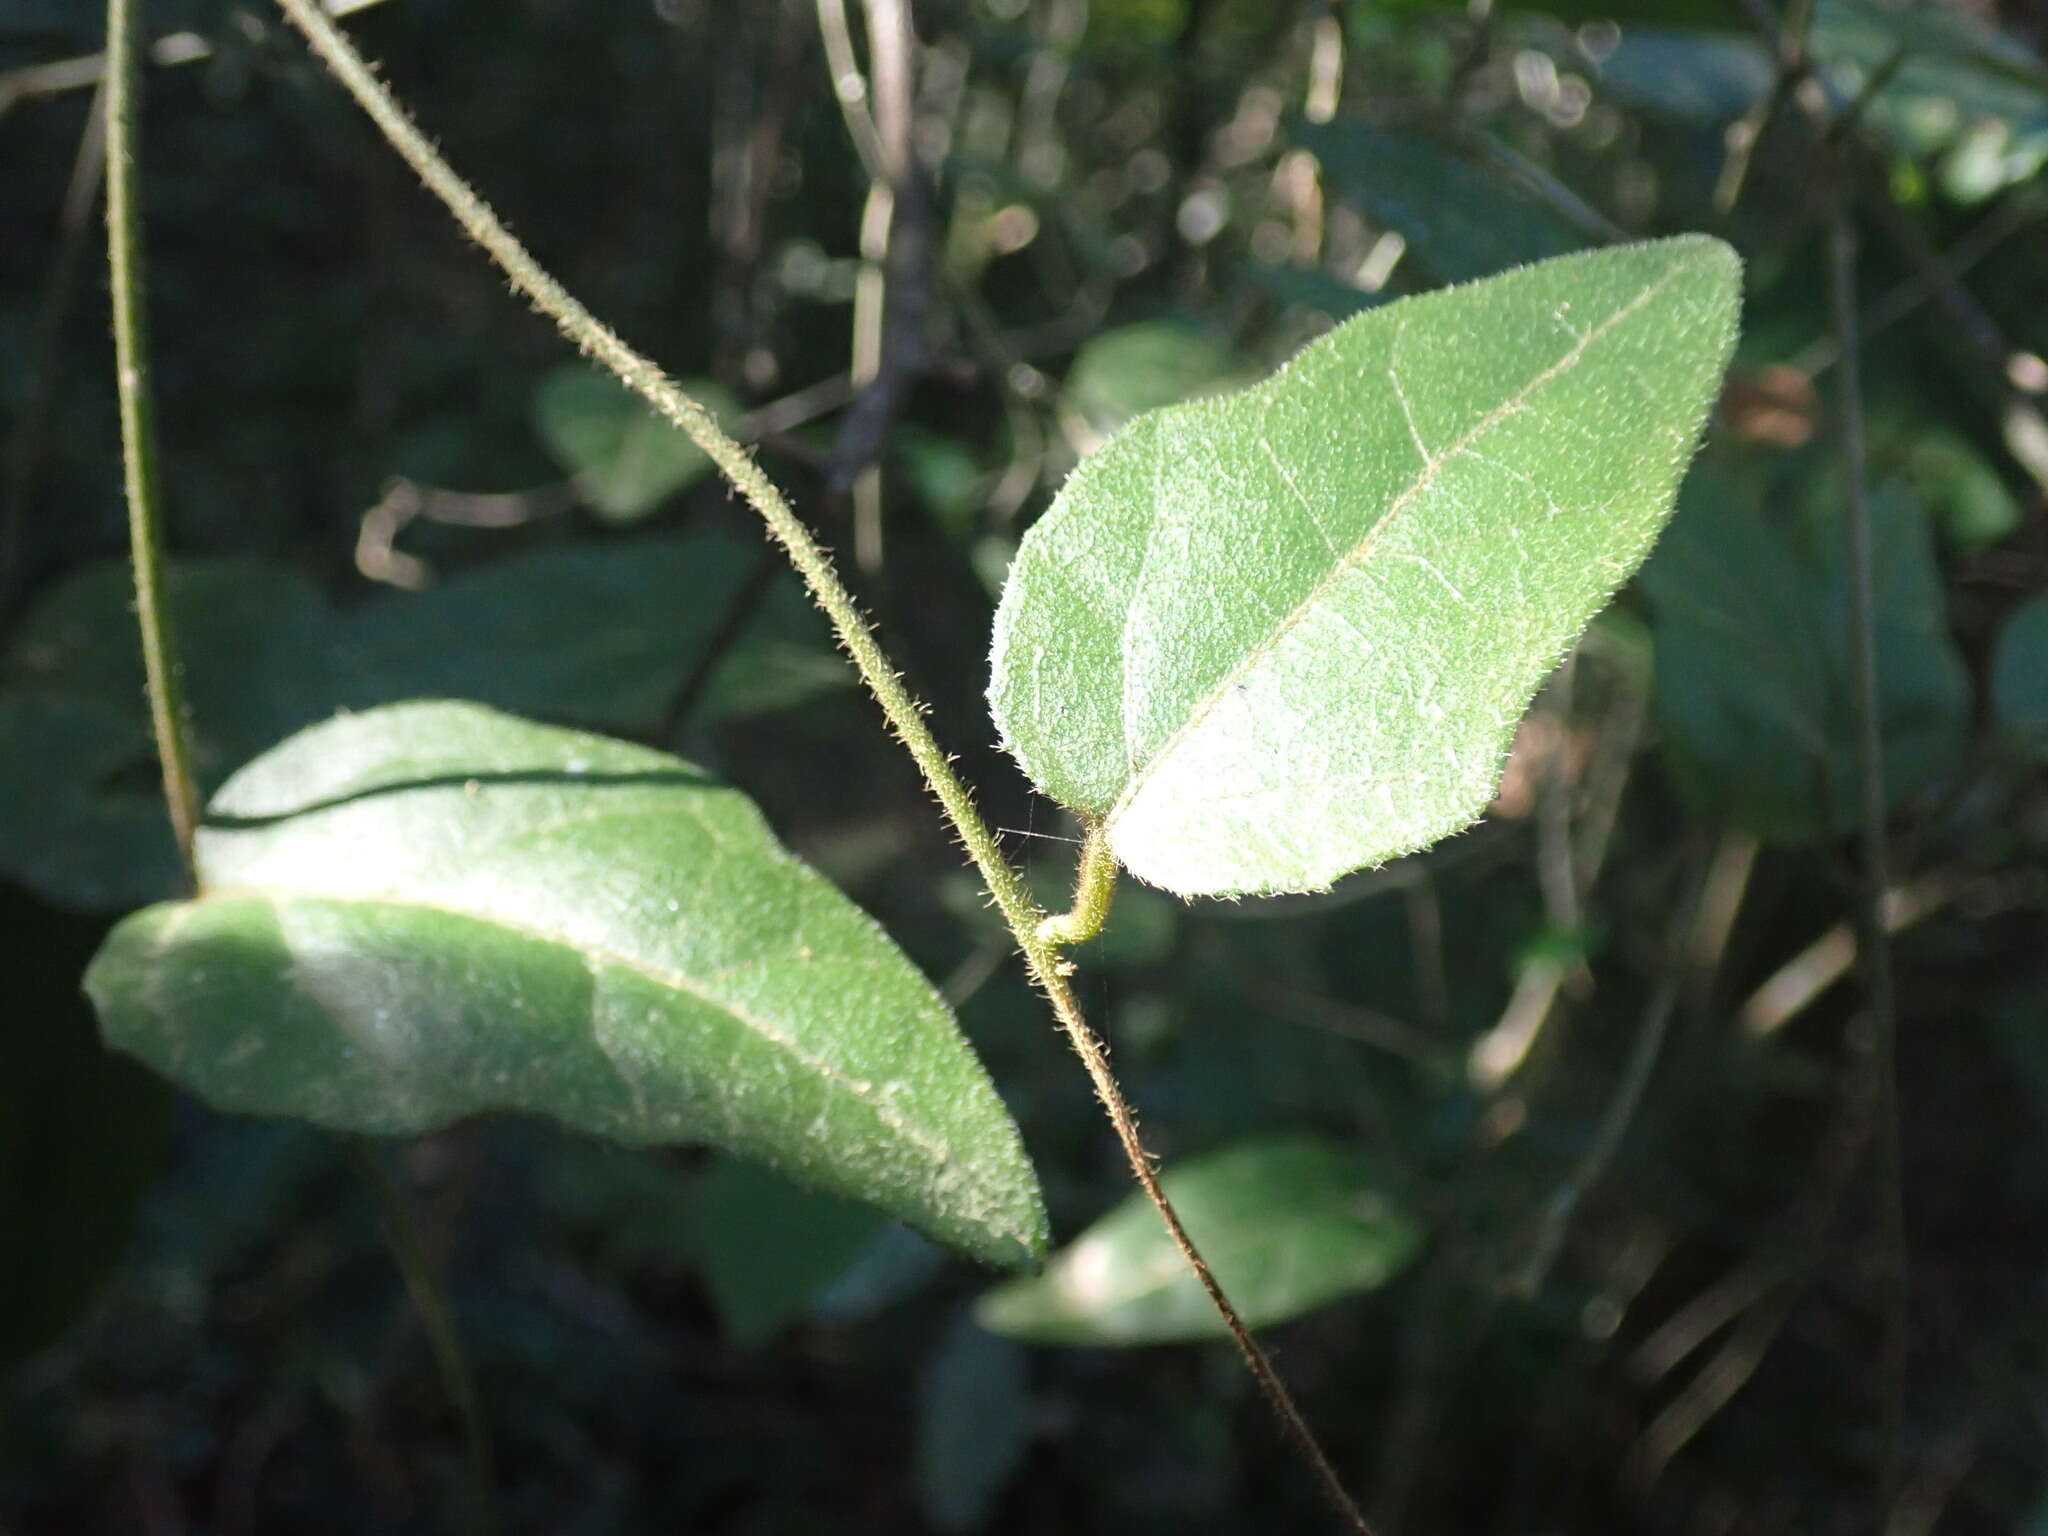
column 1270, row 639
column 625, row 459
column 428, row 911
column 1287, row 1225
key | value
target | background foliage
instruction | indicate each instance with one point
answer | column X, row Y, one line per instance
column 386, row 480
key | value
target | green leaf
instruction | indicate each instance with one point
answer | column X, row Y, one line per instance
column 1970, row 502
column 626, row 460
column 1313, row 289
column 252, row 637
column 2019, row 678
column 85, row 826
column 973, row 1426
column 433, row 910
column 82, row 1136
column 1129, row 369
column 1967, row 94
column 1274, row 638
column 597, row 634
column 1287, row 1225
column 1460, row 220
column 1751, row 623
column 767, row 1246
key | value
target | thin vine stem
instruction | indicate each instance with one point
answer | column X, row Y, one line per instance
column 138, row 426
column 1042, row 954
column 1873, row 938
column 430, row 1303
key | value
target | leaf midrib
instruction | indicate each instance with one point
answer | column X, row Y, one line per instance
column 1359, row 551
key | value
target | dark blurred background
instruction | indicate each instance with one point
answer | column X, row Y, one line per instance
column 386, row 478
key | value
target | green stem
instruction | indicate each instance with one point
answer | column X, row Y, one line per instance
column 1873, row 935
column 904, row 714
column 402, row 1233
column 138, row 427
column 1094, row 886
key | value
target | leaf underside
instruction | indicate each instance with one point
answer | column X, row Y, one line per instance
column 427, row 911
column 1270, row 639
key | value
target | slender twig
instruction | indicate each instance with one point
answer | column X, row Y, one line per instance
column 1621, row 1109
column 1726, row 1374
column 138, row 428
column 24, row 451
column 1793, row 986
column 850, row 86
column 1049, row 970
column 1947, row 268
column 891, row 296
column 1873, row 948
column 73, row 74
column 402, row 1234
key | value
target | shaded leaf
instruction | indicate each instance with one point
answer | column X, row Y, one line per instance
column 1751, row 626
column 428, row 911
column 1314, row 290
column 1129, row 369
column 632, row 1205
column 767, row 1246
column 85, row 825
column 1287, row 1225
column 1966, row 93
column 598, row 634
column 1460, row 220
column 973, row 1426
column 83, row 1135
column 626, row 460
column 1274, row 638
column 894, row 1265
column 1968, row 499
column 2019, row 677
column 252, row 638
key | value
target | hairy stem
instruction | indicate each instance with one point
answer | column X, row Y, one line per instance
column 905, row 716
column 402, row 1234
column 138, row 427
column 1094, row 886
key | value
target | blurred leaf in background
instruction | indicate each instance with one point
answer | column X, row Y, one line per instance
column 1287, row 1225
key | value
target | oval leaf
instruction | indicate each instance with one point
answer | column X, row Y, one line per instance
column 430, row 910
column 1274, row 638
column 1286, row 1225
